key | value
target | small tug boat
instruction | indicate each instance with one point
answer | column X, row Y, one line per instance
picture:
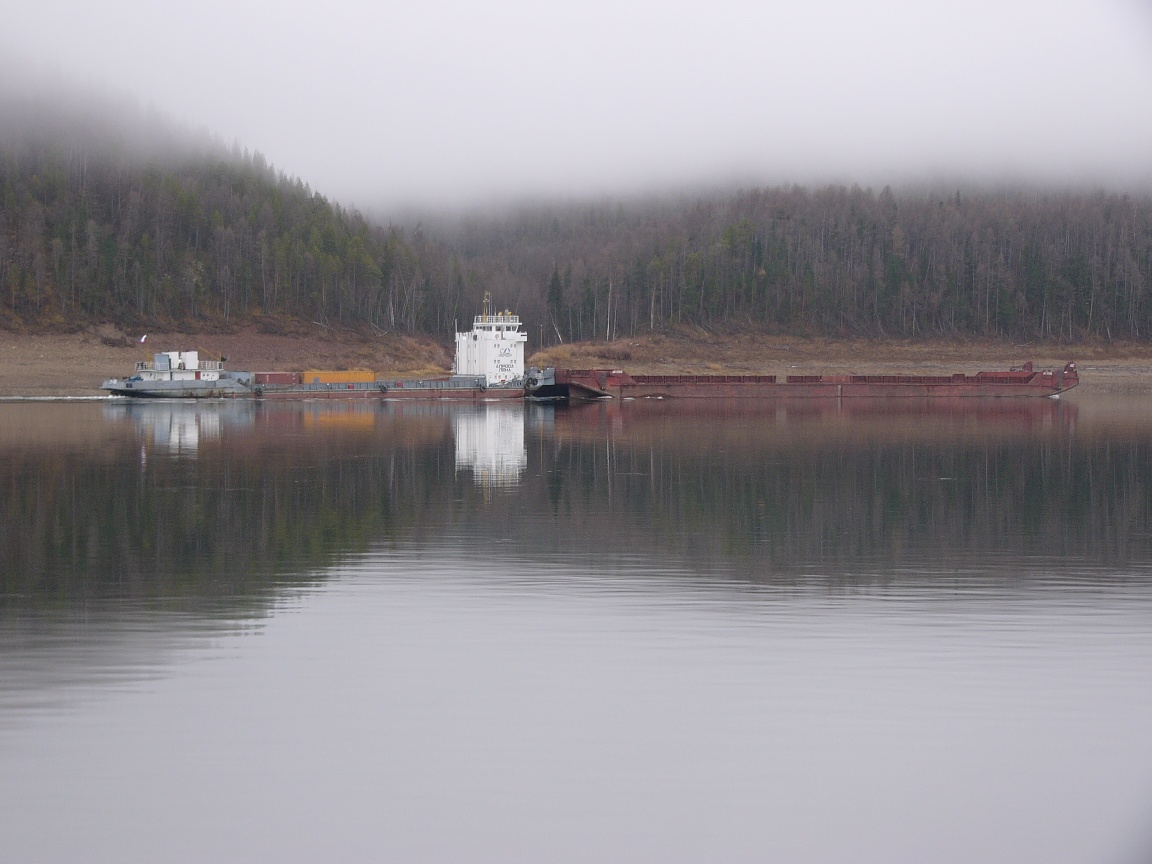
column 182, row 375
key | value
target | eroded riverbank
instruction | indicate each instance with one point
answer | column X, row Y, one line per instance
column 75, row 364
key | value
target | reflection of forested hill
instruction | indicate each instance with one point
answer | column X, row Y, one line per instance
column 854, row 483
column 203, row 501
column 187, row 499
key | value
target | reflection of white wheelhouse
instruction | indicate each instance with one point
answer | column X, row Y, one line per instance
column 490, row 443
column 493, row 348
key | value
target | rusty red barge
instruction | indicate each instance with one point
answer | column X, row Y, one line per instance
column 564, row 384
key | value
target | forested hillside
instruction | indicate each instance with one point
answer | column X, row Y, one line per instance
column 836, row 261
column 96, row 225
column 140, row 222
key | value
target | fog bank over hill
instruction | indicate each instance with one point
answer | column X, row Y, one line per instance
column 110, row 212
column 55, row 111
column 459, row 103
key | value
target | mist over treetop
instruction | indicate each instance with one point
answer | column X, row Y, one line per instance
column 179, row 229
column 51, row 115
column 460, row 103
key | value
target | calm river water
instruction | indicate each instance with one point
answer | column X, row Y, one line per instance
column 618, row 632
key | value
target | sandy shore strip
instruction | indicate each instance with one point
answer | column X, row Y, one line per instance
column 75, row 364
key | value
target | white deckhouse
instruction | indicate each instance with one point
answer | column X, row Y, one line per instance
column 493, row 348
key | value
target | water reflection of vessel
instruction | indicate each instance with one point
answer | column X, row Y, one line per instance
column 490, row 443
column 563, row 384
column 822, row 420
column 180, row 428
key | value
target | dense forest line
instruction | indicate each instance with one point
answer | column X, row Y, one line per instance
column 95, row 227
column 836, row 261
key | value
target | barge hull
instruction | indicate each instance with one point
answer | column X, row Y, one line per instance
column 1015, row 383
column 477, row 395
column 271, row 392
column 299, row 393
column 178, row 389
column 471, row 388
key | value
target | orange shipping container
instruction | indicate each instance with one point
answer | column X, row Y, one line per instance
column 277, row 377
column 341, row 376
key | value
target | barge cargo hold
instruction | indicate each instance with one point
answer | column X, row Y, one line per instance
column 563, row 384
column 464, row 387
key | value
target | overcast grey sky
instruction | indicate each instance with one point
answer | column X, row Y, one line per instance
column 450, row 101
